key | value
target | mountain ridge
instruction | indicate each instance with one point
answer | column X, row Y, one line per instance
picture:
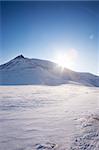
column 26, row 71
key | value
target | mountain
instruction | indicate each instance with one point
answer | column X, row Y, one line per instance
column 25, row 71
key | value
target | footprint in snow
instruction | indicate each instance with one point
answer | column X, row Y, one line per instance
column 46, row 146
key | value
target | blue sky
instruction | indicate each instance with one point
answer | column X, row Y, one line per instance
column 45, row 29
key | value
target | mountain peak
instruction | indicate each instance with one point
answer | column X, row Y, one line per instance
column 20, row 56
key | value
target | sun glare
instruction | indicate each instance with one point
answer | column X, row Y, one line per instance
column 66, row 60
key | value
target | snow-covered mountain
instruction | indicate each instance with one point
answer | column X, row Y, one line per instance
column 23, row 71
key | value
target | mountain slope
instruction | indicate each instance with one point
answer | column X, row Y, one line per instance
column 21, row 71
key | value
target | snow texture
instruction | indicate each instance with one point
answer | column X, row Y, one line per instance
column 89, row 138
column 64, row 117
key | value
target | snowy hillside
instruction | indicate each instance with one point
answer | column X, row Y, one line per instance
column 23, row 71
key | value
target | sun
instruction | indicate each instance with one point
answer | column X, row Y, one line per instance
column 66, row 60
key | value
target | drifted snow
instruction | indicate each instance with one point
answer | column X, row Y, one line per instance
column 89, row 137
column 62, row 117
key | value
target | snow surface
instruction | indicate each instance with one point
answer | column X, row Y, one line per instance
column 62, row 117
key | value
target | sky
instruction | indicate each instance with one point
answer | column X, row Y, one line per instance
column 63, row 32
